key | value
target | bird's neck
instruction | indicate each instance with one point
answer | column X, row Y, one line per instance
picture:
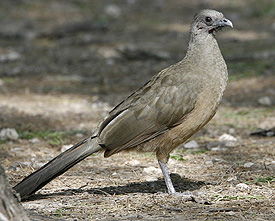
column 205, row 58
column 202, row 46
column 204, row 51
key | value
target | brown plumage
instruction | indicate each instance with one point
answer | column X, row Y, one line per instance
column 161, row 115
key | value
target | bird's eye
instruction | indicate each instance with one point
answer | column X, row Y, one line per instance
column 208, row 19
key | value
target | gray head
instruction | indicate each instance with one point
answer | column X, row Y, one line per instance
column 209, row 21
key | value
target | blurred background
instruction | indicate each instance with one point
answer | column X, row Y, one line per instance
column 66, row 63
column 103, row 49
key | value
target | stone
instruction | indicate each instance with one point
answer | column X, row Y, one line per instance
column 112, row 10
column 266, row 101
column 227, row 137
column 9, row 134
column 242, row 186
column 249, row 164
column 191, row 145
column 34, row 140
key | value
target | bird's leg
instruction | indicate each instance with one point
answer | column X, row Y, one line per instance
column 171, row 190
column 167, row 178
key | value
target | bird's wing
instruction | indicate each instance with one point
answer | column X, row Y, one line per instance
column 160, row 104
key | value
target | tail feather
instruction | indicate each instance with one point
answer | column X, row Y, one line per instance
column 56, row 167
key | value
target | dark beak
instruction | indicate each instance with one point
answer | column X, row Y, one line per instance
column 224, row 22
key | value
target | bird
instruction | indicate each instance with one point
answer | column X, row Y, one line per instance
column 164, row 113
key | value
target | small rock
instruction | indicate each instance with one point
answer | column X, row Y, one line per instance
column 227, row 137
column 217, row 160
column 191, row 145
column 8, row 133
column 15, row 149
column 108, row 53
column 242, row 186
column 216, row 148
column 249, row 164
column 66, row 147
column 9, row 56
column 113, row 10
column 34, row 140
column 231, row 179
column 266, row 101
column 79, row 135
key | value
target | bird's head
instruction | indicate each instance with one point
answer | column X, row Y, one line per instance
column 209, row 21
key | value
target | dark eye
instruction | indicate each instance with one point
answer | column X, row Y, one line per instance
column 208, row 19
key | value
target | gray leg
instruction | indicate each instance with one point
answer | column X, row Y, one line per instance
column 171, row 190
column 167, row 178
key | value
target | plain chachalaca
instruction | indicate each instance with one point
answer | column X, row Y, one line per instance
column 165, row 112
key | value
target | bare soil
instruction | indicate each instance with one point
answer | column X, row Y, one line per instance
column 65, row 64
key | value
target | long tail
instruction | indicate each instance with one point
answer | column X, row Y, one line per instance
column 56, row 167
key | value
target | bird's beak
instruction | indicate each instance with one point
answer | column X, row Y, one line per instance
column 224, row 22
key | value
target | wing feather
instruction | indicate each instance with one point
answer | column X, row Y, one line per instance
column 150, row 111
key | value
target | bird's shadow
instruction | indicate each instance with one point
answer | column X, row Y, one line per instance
column 181, row 184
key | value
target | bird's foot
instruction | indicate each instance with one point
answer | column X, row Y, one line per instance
column 188, row 196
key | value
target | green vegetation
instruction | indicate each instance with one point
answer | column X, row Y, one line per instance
column 263, row 180
column 177, row 157
column 54, row 138
column 59, row 212
column 9, row 80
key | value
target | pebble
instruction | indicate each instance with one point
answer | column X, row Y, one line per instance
column 112, row 10
column 79, row 135
column 191, row 145
column 8, row 134
column 15, row 149
column 227, row 137
column 34, row 140
column 231, row 179
column 242, row 186
column 249, row 164
column 216, row 149
column 231, row 213
column 9, row 56
column 266, row 101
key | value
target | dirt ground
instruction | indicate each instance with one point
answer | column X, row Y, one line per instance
column 65, row 64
